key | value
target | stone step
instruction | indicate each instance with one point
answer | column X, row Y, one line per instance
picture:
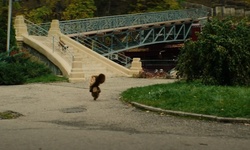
column 83, row 66
column 76, row 80
column 76, row 70
column 77, row 75
column 77, row 64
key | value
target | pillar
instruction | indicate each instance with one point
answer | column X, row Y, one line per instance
column 54, row 28
column 20, row 29
column 136, row 66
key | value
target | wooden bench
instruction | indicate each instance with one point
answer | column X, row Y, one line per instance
column 63, row 45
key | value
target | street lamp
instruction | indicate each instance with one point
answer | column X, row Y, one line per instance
column 9, row 24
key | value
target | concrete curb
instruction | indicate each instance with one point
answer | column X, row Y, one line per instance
column 199, row 116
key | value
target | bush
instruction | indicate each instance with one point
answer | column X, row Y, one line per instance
column 220, row 56
column 34, row 69
column 11, row 74
column 18, row 67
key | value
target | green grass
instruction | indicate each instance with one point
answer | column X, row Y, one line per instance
column 47, row 78
column 193, row 97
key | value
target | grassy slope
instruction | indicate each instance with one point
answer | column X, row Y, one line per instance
column 196, row 98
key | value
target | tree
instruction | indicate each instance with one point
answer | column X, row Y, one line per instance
column 139, row 6
column 46, row 10
column 40, row 14
column 117, row 7
column 36, row 11
column 79, row 9
column 112, row 7
column 221, row 56
column 39, row 11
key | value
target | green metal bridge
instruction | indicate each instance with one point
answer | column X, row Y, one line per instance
column 109, row 36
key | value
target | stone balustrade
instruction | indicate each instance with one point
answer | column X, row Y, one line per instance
column 231, row 11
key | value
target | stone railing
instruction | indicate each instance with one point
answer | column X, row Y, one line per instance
column 221, row 10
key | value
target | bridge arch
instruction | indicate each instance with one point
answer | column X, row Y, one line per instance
column 34, row 41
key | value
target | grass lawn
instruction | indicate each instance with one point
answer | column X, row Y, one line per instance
column 193, row 97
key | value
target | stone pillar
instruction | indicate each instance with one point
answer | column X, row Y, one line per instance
column 54, row 28
column 136, row 66
column 20, row 30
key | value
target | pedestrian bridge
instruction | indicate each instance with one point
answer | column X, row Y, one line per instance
column 81, row 48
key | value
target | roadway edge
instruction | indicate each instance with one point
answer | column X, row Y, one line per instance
column 194, row 115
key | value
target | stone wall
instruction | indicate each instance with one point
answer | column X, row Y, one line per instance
column 55, row 70
column 231, row 11
column 221, row 10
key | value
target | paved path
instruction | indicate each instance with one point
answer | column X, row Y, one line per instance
column 63, row 116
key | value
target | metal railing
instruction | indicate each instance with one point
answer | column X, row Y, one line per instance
column 92, row 44
column 42, row 30
column 121, row 59
column 111, row 22
column 100, row 48
column 35, row 29
column 188, row 5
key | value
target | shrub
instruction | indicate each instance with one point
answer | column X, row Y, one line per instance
column 34, row 69
column 18, row 67
column 220, row 56
column 11, row 74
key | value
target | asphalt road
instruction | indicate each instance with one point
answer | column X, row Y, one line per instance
column 64, row 116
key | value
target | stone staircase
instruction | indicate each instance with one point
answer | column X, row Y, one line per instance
column 77, row 73
column 77, row 62
column 82, row 66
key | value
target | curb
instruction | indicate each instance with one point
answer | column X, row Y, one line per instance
column 194, row 115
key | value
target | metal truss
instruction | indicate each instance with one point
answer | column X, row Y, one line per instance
column 111, row 35
column 117, row 41
column 111, row 44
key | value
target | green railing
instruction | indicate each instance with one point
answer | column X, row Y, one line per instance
column 42, row 30
column 112, row 22
column 102, row 49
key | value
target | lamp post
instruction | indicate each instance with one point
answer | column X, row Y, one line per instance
column 9, row 24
